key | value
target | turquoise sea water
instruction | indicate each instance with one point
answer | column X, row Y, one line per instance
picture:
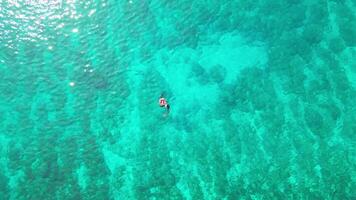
column 262, row 95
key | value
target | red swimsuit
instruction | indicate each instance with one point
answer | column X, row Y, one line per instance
column 162, row 102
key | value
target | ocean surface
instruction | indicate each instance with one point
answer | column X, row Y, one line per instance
column 262, row 96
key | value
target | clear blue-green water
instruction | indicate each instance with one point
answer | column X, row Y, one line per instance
column 262, row 95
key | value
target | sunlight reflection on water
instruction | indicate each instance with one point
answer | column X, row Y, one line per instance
column 32, row 20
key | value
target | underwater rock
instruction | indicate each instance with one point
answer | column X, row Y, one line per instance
column 336, row 45
column 346, row 21
column 119, row 177
column 222, row 24
column 197, row 69
column 318, row 13
column 349, row 126
column 199, row 73
column 14, row 155
column 291, row 2
column 295, row 16
column 4, row 189
column 174, row 193
column 122, row 88
column 217, row 73
column 341, row 84
column 190, row 37
column 93, row 80
column 99, row 82
column 331, row 110
column 183, row 121
column 348, row 33
column 195, row 189
column 228, row 99
column 58, row 98
column 313, row 33
column 254, row 88
column 284, row 52
column 316, row 122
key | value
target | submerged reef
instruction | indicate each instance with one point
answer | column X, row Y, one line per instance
column 262, row 97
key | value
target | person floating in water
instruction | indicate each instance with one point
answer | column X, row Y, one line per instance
column 163, row 103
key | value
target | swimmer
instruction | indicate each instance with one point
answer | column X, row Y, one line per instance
column 163, row 103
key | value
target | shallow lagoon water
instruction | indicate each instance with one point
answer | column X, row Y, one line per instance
column 262, row 97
